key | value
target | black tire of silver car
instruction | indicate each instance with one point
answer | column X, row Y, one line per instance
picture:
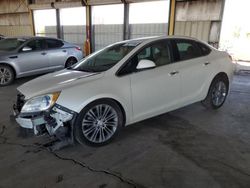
column 7, row 75
column 217, row 93
column 98, row 123
column 71, row 61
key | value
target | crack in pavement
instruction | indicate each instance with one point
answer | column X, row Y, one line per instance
column 82, row 164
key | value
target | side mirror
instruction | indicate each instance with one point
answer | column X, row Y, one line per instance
column 26, row 48
column 145, row 64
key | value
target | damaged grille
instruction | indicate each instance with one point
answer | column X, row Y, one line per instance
column 19, row 102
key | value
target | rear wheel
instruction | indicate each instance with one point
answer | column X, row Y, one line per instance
column 71, row 61
column 217, row 93
column 98, row 123
column 6, row 75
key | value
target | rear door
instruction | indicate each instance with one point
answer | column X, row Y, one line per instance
column 194, row 69
column 35, row 60
column 56, row 53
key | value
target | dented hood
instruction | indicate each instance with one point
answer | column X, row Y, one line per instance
column 56, row 81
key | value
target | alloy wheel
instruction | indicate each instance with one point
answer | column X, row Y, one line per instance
column 5, row 76
column 219, row 93
column 100, row 123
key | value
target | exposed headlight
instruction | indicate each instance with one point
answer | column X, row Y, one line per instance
column 40, row 103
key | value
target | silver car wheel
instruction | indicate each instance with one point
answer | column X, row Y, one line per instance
column 219, row 93
column 100, row 123
column 5, row 75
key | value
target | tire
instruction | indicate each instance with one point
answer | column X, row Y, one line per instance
column 7, row 75
column 71, row 61
column 98, row 123
column 217, row 93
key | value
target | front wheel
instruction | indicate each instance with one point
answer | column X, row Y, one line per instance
column 98, row 123
column 217, row 93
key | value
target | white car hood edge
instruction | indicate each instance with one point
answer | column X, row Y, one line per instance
column 56, row 81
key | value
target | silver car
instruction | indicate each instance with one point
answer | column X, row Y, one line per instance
column 25, row 56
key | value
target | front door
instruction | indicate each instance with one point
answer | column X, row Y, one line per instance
column 155, row 91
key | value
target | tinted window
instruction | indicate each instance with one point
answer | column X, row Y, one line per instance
column 158, row 52
column 205, row 50
column 36, row 45
column 11, row 44
column 52, row 43
column 187, row 49
column 106, row 58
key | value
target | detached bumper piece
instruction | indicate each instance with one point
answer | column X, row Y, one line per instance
column 58, row 122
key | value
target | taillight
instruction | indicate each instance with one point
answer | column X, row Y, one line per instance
column 231, row 58
column 78, row 48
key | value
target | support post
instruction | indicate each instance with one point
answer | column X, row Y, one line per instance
column 126, row 22
column 171, row 22
column 58, row 24
column 87, row 44
column 31, row 18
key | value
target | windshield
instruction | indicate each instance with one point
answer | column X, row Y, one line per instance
column 105, row 58
column 11, row 44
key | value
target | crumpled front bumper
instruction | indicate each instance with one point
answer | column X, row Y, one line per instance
column 56, row 121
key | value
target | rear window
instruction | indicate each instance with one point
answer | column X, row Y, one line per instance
column 205, row 50
column 52, row 43
column 187, row 49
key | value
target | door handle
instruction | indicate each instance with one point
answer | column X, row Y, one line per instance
column 64, row 50
column 43, row 53
column 13, row 57
column 206, row 63
column 173, row 73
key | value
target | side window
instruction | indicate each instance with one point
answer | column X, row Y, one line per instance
column 36, row 45
column 205, row 50
column 144, row 54
column 158, row 52
column 187, row 49
column 52, row 43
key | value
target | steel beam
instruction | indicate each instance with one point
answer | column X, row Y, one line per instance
column 171, row 21
column 126, row 22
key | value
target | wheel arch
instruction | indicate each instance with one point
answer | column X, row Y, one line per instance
column 220, row 74
column 223, row 75
column 70, row 57
column 111, row 99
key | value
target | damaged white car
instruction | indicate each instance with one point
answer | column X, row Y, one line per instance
column 122, row 84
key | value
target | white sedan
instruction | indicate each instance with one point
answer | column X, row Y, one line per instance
column 121, row 84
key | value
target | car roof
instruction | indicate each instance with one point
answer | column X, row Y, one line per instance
column 154, row 38
column 31, row 37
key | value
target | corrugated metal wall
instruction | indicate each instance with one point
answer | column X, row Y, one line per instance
column 107, row 34
column 14, row 18
column 144, row 30
column 198, row 29
column 199, row 19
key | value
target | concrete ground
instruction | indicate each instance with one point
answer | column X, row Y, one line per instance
column 190, row 147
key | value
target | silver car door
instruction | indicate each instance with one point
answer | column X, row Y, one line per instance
column 33, row 58
column 56, row 53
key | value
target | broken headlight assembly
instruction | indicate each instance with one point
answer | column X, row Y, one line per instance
column 40, row 103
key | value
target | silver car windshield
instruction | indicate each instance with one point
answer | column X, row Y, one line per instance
column 106, row 58
column 11, row 44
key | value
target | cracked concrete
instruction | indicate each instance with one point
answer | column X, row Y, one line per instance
column 190, row 147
